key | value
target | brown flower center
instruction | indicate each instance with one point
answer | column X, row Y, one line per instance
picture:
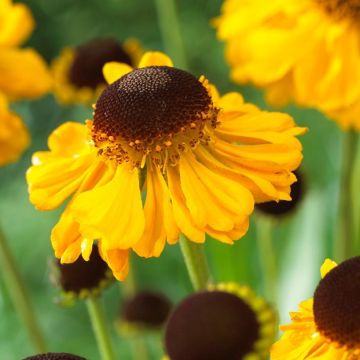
column 211, row 325
column 341, row 8
column 86, row 69
column 337, row 304
column 156, row 110
column 55, row 356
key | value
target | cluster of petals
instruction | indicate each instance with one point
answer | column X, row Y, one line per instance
column 304, row 51
column 211, row 190
column 23, row 74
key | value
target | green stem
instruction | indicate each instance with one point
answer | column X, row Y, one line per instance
column 170, row 31
column 20, row 298
column 196, row 263
column 100, row 328
column 139, row 348
column 345, row 240
column 267, row 256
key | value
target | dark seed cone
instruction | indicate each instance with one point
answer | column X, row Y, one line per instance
column 86, row 69
column 337, row 304
column 55, row 356
column 211, row 325
column 146, row 309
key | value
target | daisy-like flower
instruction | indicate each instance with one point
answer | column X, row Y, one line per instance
column 326, row 327
column 23, row 72
column 14, row 136
column 201, row 158
column 228, row 321
column 77, row 72
column 306, row 51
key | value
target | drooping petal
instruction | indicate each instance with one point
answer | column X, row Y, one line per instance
column 113, row 212
column 113, row 71
column 117, row 260
column 159, row 219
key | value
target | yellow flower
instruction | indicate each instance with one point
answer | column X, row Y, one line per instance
column 201, row 158
column 77, row 72
column 326, row 327
column 306, row 51
column 23, row 73
column 14, row 137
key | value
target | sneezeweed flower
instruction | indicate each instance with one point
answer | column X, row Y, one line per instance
column 144, row 311
column 14, row 136
column 202, row 159
column 305, row 51
column 77, row 72
column 327, row 326
column 227, row 322
column 55, row 356
column 278, row 210
column 81, row 279
column 23, row 72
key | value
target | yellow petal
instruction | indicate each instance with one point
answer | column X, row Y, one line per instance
column 14, row 136
column 23, row 73
column 114, row 71
column 159, row 219
column 113, row 212
column 155, row 58
column 72, row 253
column 117, row 260
column 327, row 266
column 17, row 23
column 86, row 248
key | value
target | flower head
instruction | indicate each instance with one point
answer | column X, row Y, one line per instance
column 23, row 72
column 202, row 159
column 14, row 136
column 327, row 326
column 227, row 322
column 77, row 72
column 304, row 51
column 55, row 356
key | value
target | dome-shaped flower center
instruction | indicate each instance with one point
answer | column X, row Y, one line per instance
column 146, row 308
column 211, row 325
column 337, row 304
column 341, row 8
column 55, row 356
column 86, row 69
column 84, row 275
column 156, row 110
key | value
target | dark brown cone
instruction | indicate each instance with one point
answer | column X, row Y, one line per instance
column 55, row 356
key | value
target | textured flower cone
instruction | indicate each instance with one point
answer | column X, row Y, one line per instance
column 55, row 356
column 23, row 72
column 326, row 327
column 227, row 322
column 203, row 161
column 14, row 137
column 304, row 51
column 77, row 72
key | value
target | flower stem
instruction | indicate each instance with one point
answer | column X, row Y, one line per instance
column 267, row 256
column 196, row 263
column 170, row 31
column 20, row 298
column 345, row 240
column 100, row 328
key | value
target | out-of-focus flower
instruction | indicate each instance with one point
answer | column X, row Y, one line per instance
column 23, row 72
column 77, row 72
column 14, row 136
column 55, row 356
column 280, row 209
column 201, row 158
column 81, row 279
column 146, row 310
column 306, row 51
column 327, row 326
column 227, row 322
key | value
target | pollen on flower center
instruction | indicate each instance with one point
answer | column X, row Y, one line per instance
column 337, row 304
column 86, row 68
column 341, row 8
column 156, row 110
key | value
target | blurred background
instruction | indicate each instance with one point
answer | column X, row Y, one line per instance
column 302, row 240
